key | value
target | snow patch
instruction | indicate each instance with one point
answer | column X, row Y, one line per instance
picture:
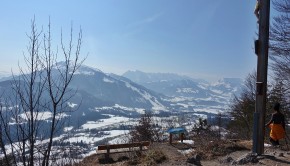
column 107, row 80
column 185, row 152
column 104, row 122
column 88, row 139
column 67, row 129
column 72, row 105
column 187, row 142
column 186, row 90
column 89, row 73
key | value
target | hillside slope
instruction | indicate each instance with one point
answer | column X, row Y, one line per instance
column 177, row 154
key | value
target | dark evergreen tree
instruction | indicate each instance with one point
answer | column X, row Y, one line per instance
column 201, row 127
column 144, row 131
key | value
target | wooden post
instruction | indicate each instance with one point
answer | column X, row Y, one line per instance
column 140, row 146
column 262, row 68
column 107, row 155
column 181, row 137
column 170, row 138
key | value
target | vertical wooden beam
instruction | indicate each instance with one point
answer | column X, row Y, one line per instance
column 181, row 137
column 262, row 70
column 107, row 155
column 170, row 138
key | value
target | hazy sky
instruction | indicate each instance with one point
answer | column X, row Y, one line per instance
column 200, row 38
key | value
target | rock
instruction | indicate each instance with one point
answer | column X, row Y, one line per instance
column 229, row 159
column 226, row 160
column 248, row 158
column 194, row 160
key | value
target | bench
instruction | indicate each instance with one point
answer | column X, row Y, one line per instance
column 120, row 148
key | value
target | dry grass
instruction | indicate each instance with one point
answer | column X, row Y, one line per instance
column 154, row 157
column 163, row 154
column 149, row 158
column 89, row 161
column 212, row 149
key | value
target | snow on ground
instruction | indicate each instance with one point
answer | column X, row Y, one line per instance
column 188, row 141
column 62, row 115
column 182, row 104
column 122, row 139
column 205, row 99
column 67, row 129
column 117, row 106
column 181, row 99
column 156, row 106
column 208, row 110
column 186, row 90
column 107, row 80
column 185, row 152
column 139, row 110
column 40, row 116
column 217, row 91
column 88, row 139
column 46, row 115
column 84, row 72
column 16, row 145
column 72, row 105
column 105, row 122
column 120, row 134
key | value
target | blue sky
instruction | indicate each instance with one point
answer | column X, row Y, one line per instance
column 201, row 38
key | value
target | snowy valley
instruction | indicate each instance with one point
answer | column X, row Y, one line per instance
column 106, row 106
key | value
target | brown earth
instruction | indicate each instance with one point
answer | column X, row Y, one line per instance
column 219, row 154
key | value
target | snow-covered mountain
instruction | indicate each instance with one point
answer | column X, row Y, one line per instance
column 135, row 91
column 116, row 90
column 4, row 75
column 186, row 92
column 98, row 93
column 107, row 104
column 227, row 86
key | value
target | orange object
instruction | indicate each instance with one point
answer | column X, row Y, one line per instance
column 277, row 131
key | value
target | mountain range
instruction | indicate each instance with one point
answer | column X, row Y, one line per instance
column 189, row 92
column 99, row 93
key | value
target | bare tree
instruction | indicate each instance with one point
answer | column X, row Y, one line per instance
column 4, row 130
column 243, row 108
column 280, row 41
column 28, row 88
column 42, row 86
column 59, row 80
column 277, row 94
column 280, row 54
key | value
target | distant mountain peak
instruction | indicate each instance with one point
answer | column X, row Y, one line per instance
column 83, row 69
column 141, row 77
column 231, row 81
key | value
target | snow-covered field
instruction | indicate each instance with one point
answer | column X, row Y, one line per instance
column 90, row 139
column 113, row 120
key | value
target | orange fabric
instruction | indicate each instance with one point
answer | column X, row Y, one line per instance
column 277, row 131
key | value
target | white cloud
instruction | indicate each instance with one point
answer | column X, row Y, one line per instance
column 138, row 26
column 145, row 21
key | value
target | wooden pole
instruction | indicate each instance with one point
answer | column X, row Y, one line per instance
column 181, row 135
column 262, row 68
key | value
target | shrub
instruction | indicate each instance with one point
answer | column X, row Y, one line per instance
column 154, row 157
